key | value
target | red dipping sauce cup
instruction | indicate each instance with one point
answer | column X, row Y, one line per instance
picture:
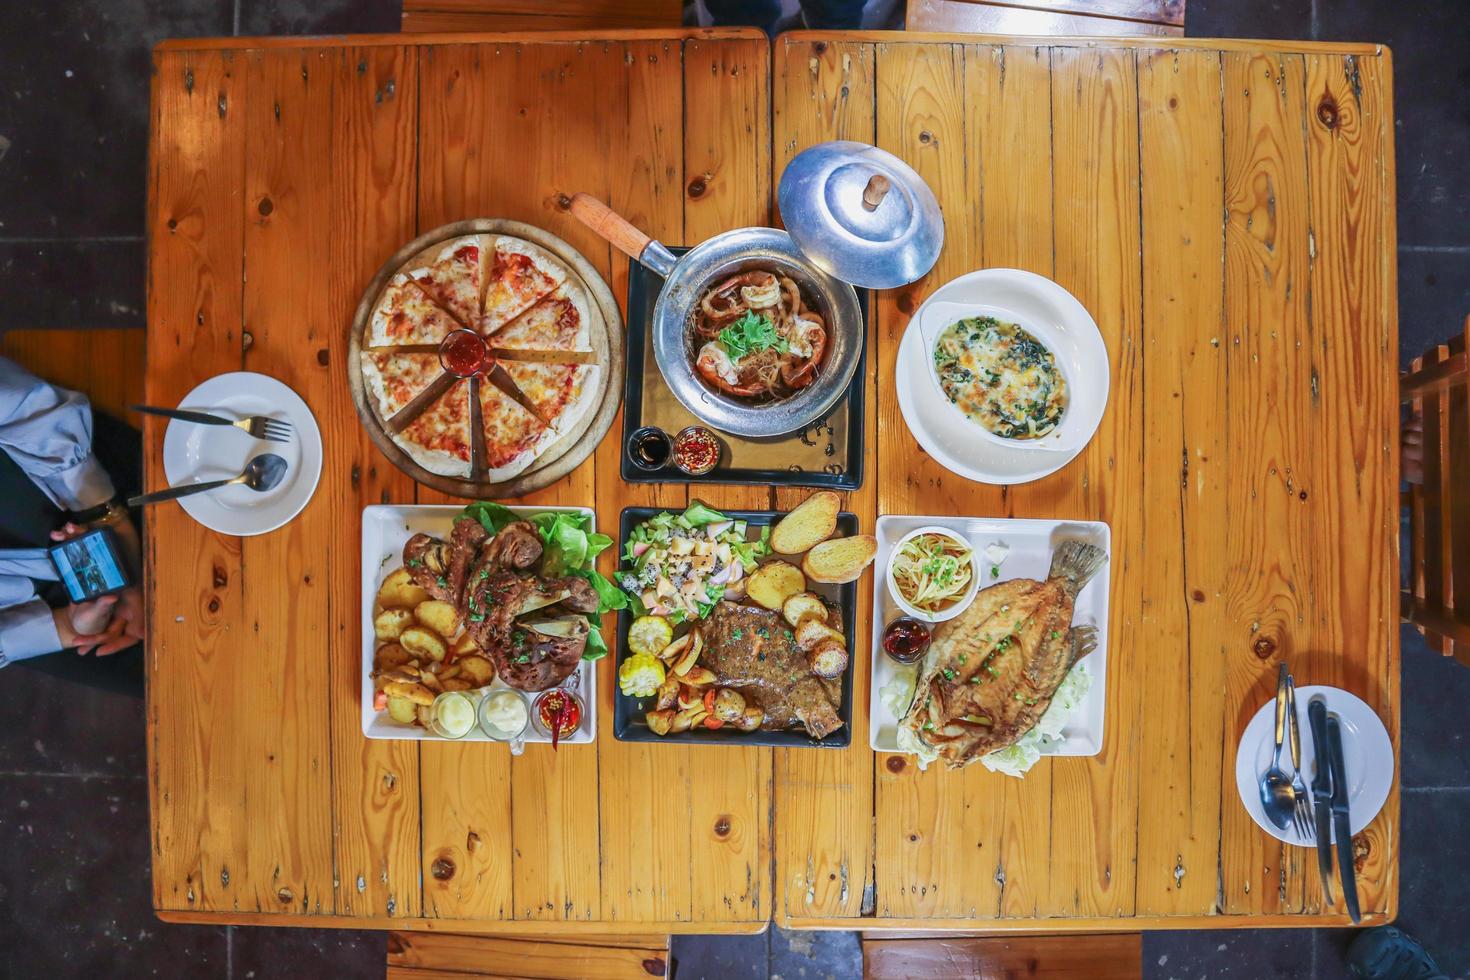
column 464, row 353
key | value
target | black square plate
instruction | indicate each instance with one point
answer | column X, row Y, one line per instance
column 628, row 723
column 828, row 453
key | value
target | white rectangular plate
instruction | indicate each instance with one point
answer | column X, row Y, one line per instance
column 1031, row 544
column 386, row 528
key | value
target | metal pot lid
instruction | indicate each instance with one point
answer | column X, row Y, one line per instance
column 861, row 214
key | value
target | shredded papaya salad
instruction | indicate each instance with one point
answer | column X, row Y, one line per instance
column 683, row 564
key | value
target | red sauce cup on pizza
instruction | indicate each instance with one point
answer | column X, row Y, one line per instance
column 464, row 353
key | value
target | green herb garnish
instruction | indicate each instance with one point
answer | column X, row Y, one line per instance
column 751, row 334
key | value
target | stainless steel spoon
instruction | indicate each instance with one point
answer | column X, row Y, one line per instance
column 261, row 473
column 1277, row 797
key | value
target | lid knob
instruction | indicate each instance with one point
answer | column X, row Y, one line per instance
column 861, row 214
column 874, row 193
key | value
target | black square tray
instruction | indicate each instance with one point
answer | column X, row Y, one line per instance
column 828, row 453
column 628, row 723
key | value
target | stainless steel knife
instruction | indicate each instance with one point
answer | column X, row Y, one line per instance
column 1341, row 823
column 1321, row 792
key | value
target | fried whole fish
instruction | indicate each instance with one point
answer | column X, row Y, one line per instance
column 991, row 672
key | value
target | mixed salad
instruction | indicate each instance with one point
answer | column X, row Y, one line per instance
column 569, row 547
column 682, row 565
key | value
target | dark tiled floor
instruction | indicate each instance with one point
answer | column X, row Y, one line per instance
column 72, row 791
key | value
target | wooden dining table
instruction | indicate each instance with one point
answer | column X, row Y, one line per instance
column 1225, row 211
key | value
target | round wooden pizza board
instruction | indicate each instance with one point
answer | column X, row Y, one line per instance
column 572, row 447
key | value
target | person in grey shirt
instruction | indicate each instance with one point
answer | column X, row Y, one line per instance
column 54, row 486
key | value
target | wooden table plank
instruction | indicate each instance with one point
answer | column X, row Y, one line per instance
column 1094, row 114
column 825, row 799
column 1354, row 299
column 375, row 782
column 192, row 579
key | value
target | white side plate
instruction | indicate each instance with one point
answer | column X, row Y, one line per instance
column 1031, row 544
column 385, row 530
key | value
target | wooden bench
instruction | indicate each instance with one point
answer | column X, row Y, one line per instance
column 539, row 15
column 451, row 956
column 1047, row 18
column 900, row 956
column 1437, row 598
column 104, row 365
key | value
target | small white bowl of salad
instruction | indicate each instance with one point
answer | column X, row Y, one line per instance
column 681, row 565
column 933, row 574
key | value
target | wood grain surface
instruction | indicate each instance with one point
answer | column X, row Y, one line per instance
column 1225, row 212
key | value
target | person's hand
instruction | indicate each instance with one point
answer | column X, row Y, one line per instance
column 123, row 624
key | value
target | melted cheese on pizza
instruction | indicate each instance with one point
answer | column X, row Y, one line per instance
column 456, row 280
column 444, row 427
column 395, row 379
column 550, row 388
column 406, row 315
column 510, row 430
column 520, row 275
column 553, row 324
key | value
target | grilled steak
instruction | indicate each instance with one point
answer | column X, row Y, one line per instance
column 753, row 651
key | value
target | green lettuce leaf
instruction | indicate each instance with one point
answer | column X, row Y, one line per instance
column 596, row 647
column 698, row 515
column 492, row 516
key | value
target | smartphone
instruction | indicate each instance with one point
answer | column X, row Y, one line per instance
column 90, row 565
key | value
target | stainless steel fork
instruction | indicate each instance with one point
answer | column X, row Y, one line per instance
column 259, row 426
column 1301, row 812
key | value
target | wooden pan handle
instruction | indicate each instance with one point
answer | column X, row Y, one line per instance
column 609, row 224
column 874, row 193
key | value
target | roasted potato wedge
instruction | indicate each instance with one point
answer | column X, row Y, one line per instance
column 751, row 718
column 668, row 692
column 463, row 645
column 840, row 560
column 477, row 670
column 813, row 632
column 775, row 582
column 432, row 682
column 659, row 722
column 399, row 592
column 688, row 718
column 699, row 677
column 401, row 710
column 390, row 623
column 423, row 643
column 675, row 651
column 802, row 606
column 390, row 655
column 828, row 658
column 691, row 655
column 811, row 523
column 448, row 670
column 438, row 616
column 410, row 690
column 421, row 715
column 729, row 705
column 456, row 684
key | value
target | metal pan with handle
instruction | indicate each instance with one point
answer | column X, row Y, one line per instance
column 688, row 277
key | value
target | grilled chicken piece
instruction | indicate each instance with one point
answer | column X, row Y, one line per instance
column 753, row 651
column 439, row 568
column 518, row 545
column 992, row 671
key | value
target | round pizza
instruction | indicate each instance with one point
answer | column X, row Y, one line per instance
column 539, row 380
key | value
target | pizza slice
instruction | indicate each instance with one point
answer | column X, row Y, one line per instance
column 439, row 439
column 456, row 280
column 513, row 436
column 559, row 393
column 520, row 275
column 558, row 322
column 394, row 378
column 406, row 315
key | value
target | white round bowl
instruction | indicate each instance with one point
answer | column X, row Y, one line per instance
column 1050, row 314
column 958, row 607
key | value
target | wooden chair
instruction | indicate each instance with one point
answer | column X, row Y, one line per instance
column 1437, row 600
column 1103, row 956
column 104, row 365
column 1048, row 17
column 448, row 956
column 539, row 15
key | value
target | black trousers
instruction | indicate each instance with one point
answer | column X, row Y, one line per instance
column 27, row 518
